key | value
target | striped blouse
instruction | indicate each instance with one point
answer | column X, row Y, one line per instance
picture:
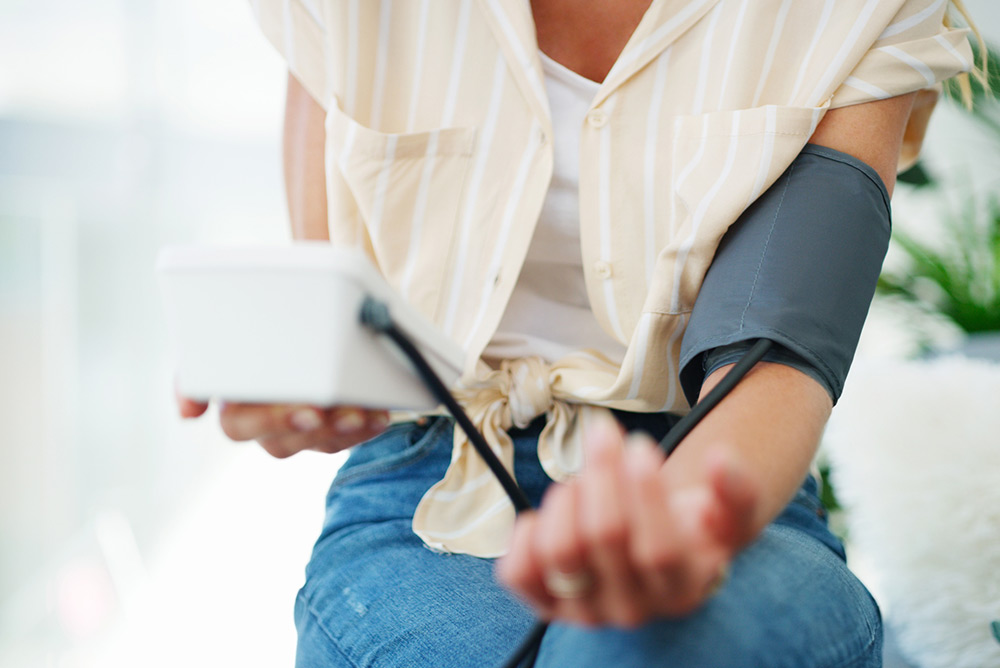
column 439, row 154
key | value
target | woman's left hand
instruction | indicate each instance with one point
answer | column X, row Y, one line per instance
column 631, row 538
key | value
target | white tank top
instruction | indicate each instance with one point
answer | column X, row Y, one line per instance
column 549, row 313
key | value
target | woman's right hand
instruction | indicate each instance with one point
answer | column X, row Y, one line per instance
column 283, row 429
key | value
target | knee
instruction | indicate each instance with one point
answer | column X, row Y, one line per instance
column 790, row 602
column 315, row 647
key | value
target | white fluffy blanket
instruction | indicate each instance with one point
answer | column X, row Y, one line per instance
column 915, row 451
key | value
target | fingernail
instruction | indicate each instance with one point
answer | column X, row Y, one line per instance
column 305, row 419
column 636, row 440
column 379, row 421
column 602, row 436
column 349, row 421
column 639, row 458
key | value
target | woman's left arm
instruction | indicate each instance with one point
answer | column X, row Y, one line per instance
column 775, row 417
column 652, row 536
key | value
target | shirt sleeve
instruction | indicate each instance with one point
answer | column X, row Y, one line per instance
column 296, row 29
column 915, row 51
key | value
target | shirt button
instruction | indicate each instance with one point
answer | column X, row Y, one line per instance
column 597, row 118
column 602, row 269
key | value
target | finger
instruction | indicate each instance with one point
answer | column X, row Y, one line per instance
column 342, row 428
column 600, row 430
column 188, row 408
column 352, row 421
column 559, row 550
column 731, row 518
column 604, row 525
column 245, row 422
column 520, row 571
column 653, row 544
column 713, row 519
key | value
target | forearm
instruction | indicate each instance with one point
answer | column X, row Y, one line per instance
column 773, row 420
column 771, row 424
column 305, row 172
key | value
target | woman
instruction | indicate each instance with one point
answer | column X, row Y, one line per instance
column 550, row 187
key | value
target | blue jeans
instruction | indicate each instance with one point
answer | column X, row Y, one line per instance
column 375, row 596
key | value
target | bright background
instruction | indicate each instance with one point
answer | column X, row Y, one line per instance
column 129, row 538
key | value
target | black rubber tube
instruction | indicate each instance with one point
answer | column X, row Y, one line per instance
column 376, row 315
column 717, row 394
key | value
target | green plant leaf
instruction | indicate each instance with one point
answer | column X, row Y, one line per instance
column 916, row 176
column 958, row 277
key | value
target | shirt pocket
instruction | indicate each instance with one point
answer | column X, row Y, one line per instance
column 406, row 189
column 730, row 157
column 721, row 162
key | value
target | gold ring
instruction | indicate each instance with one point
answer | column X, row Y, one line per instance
column 719, row 581
column 568, row 585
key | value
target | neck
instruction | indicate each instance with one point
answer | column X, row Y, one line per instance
column 586, row 36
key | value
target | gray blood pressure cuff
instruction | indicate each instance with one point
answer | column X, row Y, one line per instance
column 799, row 267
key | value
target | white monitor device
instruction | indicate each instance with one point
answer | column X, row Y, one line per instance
column 280, row 324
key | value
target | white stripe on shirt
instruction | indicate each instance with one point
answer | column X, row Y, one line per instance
column 699, row 213
column 651, row 184
column 381, row 63
column 472, row 200
column 457, row 61
column 824, row 20
column 772, row 48
column 940, row 39
column 418, row 65
column 604, row 206
column 382, row 186
column 353, row 30
column 290, row 46
column 733, row 40
column 706, row 55
column 419, row 213
column 641, row 347
column 871, row 89
column 916, row 64
column 764, row 168
column 845, row 50
column 506, row 225
column 907, row 23
column 524, row 60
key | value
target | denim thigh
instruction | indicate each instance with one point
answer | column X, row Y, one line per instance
column 375, row 596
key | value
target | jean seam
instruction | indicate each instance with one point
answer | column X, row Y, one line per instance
column 317, row 619
column 809, row 502
column 852, row 660
column 872, row 622
column 409, row 455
